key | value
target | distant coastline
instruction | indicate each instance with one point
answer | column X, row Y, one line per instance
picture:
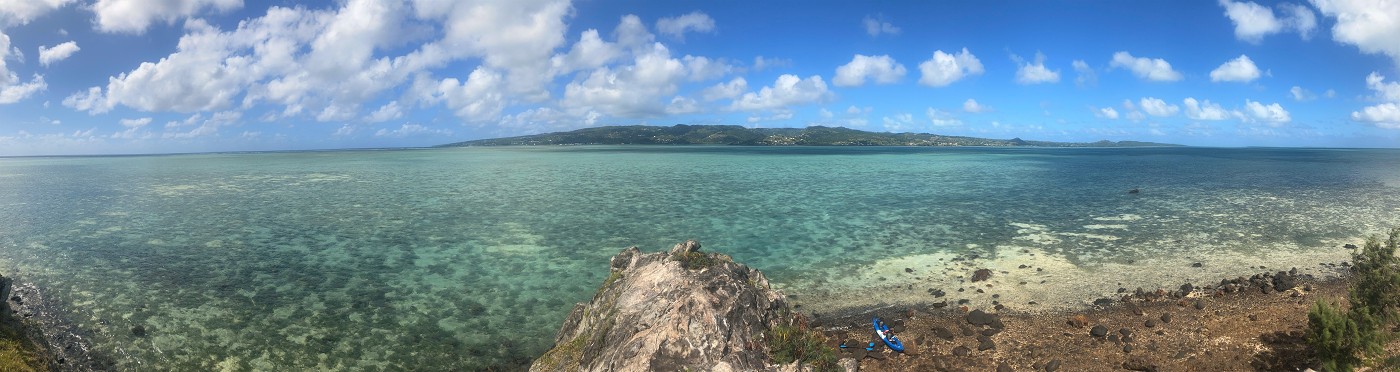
column 682, row 134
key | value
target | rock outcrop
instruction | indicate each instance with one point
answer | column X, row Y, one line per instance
column 670, row 311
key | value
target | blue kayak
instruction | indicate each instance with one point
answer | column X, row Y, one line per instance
column 883, row 330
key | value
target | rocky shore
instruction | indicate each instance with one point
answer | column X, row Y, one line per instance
column 48, row 341
column 662, row 311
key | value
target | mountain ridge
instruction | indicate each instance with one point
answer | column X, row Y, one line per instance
column 684, row 134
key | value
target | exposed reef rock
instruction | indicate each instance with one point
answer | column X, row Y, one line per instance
column 670, row 311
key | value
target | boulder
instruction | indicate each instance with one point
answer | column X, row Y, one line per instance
column 981, row 274
column 652, row 313
column 980, row 318
column 1098, row 331
column 1284, row 281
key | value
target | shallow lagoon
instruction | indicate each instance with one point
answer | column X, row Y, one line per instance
column 469, row 258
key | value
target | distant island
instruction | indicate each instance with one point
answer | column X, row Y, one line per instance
column 682, row 134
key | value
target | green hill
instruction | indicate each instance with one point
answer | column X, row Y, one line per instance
column 682, row 134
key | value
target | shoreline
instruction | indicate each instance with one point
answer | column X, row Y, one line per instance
column 63, row 344
column 1233, row 325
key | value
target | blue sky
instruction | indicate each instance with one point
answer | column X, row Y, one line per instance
column 156, row 76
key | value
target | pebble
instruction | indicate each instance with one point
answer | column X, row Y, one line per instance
column 961, row 351
column 1149, row 323
column 1166, row 318
column 1053, row 366
column 1098, row 331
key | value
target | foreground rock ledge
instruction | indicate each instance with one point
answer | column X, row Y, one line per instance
column 670, row 311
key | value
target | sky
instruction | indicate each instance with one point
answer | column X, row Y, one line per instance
column 170, row 76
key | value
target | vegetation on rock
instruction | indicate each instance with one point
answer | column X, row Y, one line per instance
column 1343, row 339
column 794, row 341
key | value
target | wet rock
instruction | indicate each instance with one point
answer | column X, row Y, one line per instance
column 981, row 274
column 961, row 350
column 943, row 333
column 1139, row 363
column 1103, row 302
column 1198, row 264
column 937, row 293
column 1098, row 331
column 138, row 331
column 1349, row 246
column 908, row 270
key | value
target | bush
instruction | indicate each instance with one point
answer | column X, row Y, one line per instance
column 1337, row 338
column 794, row 341
column 1342, row 339
column 695, row 260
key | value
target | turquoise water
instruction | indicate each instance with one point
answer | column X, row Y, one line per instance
column 470, row 258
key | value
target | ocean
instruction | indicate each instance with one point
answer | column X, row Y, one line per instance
column 469, row 258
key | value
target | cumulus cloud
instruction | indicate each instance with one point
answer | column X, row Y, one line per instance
column 1157, row 107
column 1301, row 94
column 1387, row 113
column 728, row 90
column 1240, row 69
column 972, row 106
column 1253, row 21
column 1107, row 113
column 411, row 130
column 1146, row 68
column 1087, row 76
column 135, row 123
column 1035, row 73
column 1272, row 114
column 11, row 88
column 1371, row 25
column 1198, row 110
column 385, row 113
column 944, row 68
column 880, row 69
column 692, row 22
column 57, row 53
column 787, row 90
column 876, row 27
column 588, row 53
column 941, row 118
column 20, row 12
column 203, row 127
column 134, row 16
column 629, row 91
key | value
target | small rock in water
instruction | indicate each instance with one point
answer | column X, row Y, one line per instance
column 1349, row 246
column 981, row 274
column 138, row 331
column 908, row 270
column 1198, row 264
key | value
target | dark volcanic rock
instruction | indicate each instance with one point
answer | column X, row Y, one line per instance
column 655, row 314
column 937, row 293
column 985, row 343
column 1139, row 363
column 981, row 274
column 1284, row 281
column 1098, row 331
column 1053, row 366
column 943, row 333
column 980, row 318
column 1166, row 318
column 961, row 350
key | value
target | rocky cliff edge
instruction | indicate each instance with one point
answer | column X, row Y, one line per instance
column 671, row 311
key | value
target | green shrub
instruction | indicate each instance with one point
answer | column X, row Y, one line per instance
column 695, row 260
column 1338, row 338
column 1377, row 274
column 794, row 341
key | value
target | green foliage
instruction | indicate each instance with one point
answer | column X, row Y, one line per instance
column 17, row 354
column 1340, row 339
column 1377, row 273
column 737, row 135
column 794, row 341
column 695, row 260
column 1337, row 338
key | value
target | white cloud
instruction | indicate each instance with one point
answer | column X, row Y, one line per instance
column 972, row 106
column 411, row 130
column 1300, row 94
column 477, row 99
column 57, row 53
column 385, row 113
column 787, row 90
column 693, row 22
column 684, row 105
column 206, row 128
column 1204, row 110
column 730, row 90
column 1087, row 76
column 1372, row 25
column 898, row 123
column 941, row 118
column 944, row 68
column 11, row 90
column 761, row 63
column 876, row 27
column 1157, row 107
column 880, row 69
column 1273, row 114
column 1146, row 68
column 1035, row 73
column 629, row 91
column 702, row 68
column 1240, row 69
column 589, row 52
column 134, row 16
column 1387, row 113
column 135, row 123
column 1253, row 21
column 20, row 12
column 1107, row 113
